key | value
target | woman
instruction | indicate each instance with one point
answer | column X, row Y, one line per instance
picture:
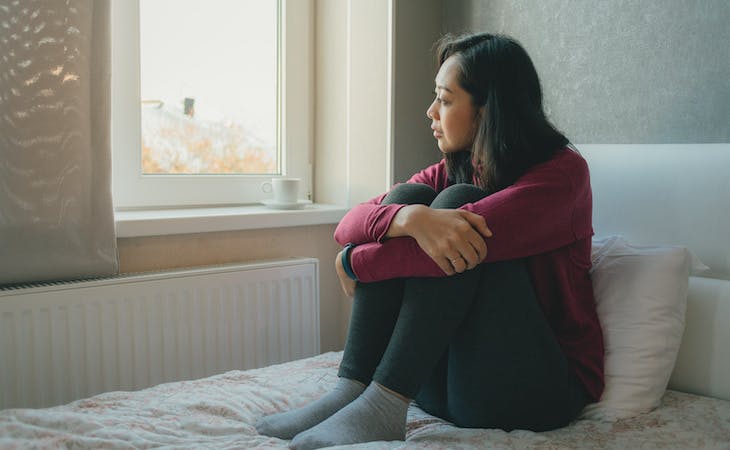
column 471, row 286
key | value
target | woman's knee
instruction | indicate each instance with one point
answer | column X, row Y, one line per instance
column 458, row 195
column 410, row 194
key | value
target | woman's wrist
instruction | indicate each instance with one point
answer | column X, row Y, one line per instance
column 403, row 220
column 345, row 261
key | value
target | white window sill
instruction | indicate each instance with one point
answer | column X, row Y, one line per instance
column 137, row 223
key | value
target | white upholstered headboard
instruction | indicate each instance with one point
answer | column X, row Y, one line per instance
column 676, row 194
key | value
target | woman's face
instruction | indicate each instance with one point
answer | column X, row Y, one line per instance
column 452, row 113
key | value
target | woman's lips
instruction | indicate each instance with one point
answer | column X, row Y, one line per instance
column 437, row 135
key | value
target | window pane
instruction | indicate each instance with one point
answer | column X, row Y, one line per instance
column 209, row 86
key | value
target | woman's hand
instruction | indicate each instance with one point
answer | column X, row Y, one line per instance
column 453, row 238
column 347, row 283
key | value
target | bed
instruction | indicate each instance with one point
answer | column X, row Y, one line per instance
column 691, row 356
column 218, row 412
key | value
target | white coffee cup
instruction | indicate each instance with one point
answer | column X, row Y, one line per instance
column 285, row 190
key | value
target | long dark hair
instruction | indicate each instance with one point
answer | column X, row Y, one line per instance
column 513, row 133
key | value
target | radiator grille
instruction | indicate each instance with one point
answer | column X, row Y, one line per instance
column 60, row 342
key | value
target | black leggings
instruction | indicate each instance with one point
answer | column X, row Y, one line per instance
column 472, row 348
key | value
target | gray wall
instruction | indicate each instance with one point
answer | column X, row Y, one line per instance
column 620, row 71
column 418, row 24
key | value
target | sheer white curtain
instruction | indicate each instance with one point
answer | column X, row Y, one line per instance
column 56, row 214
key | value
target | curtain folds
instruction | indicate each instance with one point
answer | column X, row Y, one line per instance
column 56, row 212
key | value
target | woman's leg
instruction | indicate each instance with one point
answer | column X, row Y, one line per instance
column 427, row 320
column 504, row 369
column 472, row 344
column 374, row 312
column 376, row 306
column 432, row 311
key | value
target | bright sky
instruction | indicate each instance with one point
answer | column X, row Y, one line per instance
column 220, row 52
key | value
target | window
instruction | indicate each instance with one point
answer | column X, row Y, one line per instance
column 199, row 118
column 207, row 112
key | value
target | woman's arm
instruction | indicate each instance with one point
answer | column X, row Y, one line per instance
column 370, row 221
column 547, row 208
column 366, row 222
column 452, row 238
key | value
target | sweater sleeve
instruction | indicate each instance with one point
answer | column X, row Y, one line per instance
column 369, row 221
column 547, row 208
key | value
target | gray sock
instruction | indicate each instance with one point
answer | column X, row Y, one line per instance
column 287, row 424
column 377, row 415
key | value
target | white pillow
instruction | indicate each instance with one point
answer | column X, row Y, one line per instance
column 641, row 298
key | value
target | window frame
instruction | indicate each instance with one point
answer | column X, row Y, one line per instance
column 134, row 190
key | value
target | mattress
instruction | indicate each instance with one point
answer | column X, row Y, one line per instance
column 219, row 412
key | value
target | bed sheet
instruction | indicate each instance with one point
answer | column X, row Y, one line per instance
column 219, row 412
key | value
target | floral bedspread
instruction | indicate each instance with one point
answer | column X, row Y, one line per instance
column 219, row 412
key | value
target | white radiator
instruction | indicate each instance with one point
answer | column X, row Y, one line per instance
column 64, row 341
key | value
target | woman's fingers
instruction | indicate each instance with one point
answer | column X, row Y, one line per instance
column 454, row 239
column 445, row 264
column 468, row 255
column 464, row 250
column 347, row 283
column 478, row 223
column 471, row 235
column 471, row 246
column 459, row 264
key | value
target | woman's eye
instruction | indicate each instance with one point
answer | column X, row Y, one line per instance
column 440, row 100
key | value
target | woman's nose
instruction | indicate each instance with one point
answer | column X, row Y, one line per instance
column 431, row 111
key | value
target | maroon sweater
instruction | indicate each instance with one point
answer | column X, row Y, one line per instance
column 545, row 217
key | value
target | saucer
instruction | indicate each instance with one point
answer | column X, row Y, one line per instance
column 299, row 204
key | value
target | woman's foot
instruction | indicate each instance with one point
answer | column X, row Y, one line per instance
column 288, row 424
column 377, row 415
